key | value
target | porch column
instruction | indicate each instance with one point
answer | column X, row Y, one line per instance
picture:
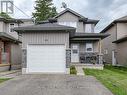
column 68, row 57
column 100, row 46
column 100, row 56
column 0, row 52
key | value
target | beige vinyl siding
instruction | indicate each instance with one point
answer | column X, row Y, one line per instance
column 26, row 23
column 68, row 17
column 1, row 26
column 4, row 27
column 7, row 30
column 96, row 46
column 82, row 46
column 122, row 53
column 121, row 30
column 45, row 38
column 16, row 54
column 80, row 27
column 92, row 28
column 108, row 45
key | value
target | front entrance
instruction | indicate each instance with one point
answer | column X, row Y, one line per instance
column 75, row 53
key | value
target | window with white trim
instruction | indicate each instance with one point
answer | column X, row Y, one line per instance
column 88, row 28
column 89, row 47
column 11, row 26
column 75, row 49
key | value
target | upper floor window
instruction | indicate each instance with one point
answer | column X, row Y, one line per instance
column 88, row 28
column 11, row 26
column 71, row 24
column 89, row 47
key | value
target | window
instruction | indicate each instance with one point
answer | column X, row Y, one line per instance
column 105, row 51
column 88, row 28
column 11, row 26
column 75, row 51
column 89, row 47
column 71, row 24
column 75, row 48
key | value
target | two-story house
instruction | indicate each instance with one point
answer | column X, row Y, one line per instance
column 114, row 46
column 10, row 50
column 55, row 44
column 10, row 45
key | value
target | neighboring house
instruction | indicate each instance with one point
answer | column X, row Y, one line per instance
column 10, row 50
column 67, row 39
column 26, row 22
column 10, row 46
column 115, row 46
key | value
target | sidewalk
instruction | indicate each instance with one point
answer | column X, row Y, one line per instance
column 79, row 70
column 10, row 74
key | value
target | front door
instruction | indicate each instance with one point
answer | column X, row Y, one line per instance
column 75, row 53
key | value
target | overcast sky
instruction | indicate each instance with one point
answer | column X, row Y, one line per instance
column 104, row 10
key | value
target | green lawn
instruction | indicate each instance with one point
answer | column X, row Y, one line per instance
column 114, row 78
column 3, row 79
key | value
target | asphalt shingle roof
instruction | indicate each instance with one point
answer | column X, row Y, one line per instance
column 45, row 26
column 122, row 19
column 81, row 17
column 121, row 39
column 69, row 10
column 92, row 35
column 7, row 36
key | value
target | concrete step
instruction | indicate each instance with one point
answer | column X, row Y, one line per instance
column 79, row 70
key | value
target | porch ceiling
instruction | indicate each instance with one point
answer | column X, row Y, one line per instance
column 84, row 39
column 90, row 35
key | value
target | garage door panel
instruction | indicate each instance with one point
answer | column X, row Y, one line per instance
column 46, row 58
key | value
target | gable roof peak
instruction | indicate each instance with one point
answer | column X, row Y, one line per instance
column 71, row 11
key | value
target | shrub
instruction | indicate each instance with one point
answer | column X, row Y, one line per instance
column 73, row 70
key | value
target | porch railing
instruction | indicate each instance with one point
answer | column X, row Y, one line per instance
column 89, row 58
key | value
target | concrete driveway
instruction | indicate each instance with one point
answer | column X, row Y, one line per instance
column 53, row 85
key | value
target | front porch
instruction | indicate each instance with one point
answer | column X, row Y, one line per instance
column 89, row 66
column 89, row 60
column 86, row 52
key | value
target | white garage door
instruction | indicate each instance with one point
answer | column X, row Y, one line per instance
column 46, row 58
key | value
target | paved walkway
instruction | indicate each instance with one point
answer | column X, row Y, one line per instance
column 53, row 85
column 79, row 70
column 10, row 74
